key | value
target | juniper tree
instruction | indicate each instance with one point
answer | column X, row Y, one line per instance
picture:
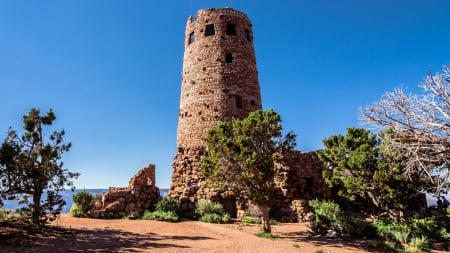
column 241, row 156
column 30, row 166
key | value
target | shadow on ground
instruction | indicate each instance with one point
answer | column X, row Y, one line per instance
column 20, row 237
column 303, row 236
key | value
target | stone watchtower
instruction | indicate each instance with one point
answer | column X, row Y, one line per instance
column 219, row 82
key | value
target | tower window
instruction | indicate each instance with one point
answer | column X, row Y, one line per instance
column 229, row 58
column 231, row 29
column 238, row 102
column 209, row 30
column 252, row 102
column 191, row 38
column 247, row 34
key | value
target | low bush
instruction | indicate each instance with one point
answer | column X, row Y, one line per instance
column 161, row 215
column 76, row 211
column 413, row 234
column 208, row 211
column 167, row 204
column 166, row 209
column 329, row 216
column 10, row 215
column 82, row 203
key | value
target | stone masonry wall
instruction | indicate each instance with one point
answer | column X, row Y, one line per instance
column 133, row 200
column 300, row 182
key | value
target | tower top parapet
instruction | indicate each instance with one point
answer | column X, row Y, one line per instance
column 227, row 11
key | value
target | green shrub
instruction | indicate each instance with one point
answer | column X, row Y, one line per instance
column 226, row 218
column 166, row 209
column 251, row 220
column 10, row 215
column 161, row 215
column 326, row 209
column 328, row 216
column 402, row 236
column 211, row 218
column 412, row 235
column 417, row 244
column 423, row 226
column 76, row 211
column 167, row 204
column 384, row 227
column 204, row 207
column 211, row 212
column 83, row 201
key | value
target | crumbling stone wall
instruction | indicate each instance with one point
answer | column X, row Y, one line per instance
column 133, row 200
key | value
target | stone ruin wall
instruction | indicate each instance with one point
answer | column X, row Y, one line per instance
column 301, row 180
column 133, row 200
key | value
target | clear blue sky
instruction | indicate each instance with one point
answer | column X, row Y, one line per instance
column 111, row 69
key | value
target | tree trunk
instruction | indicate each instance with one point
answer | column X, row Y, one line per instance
column 265, row 219
column 36, row 208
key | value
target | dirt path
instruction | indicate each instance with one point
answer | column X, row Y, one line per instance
column 100, row 235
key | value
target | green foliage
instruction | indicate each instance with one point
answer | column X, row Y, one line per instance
column 414, row 234
column 251, row 220
column 76, row 211
column 329, row 216
column 161, row 215
column 167, row 204
column 166, row 209
column 31, row 165
column 210, row 218
column 211, row 212
column 417, row 244
column 363, row 171
column 241, row 156
column 10, row 215
column 84, row 201
column 267, row 235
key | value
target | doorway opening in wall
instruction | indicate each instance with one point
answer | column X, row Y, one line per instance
column 229, row 205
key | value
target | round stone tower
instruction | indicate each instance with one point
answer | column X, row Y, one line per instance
column 219, row 82
column 219, row 79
